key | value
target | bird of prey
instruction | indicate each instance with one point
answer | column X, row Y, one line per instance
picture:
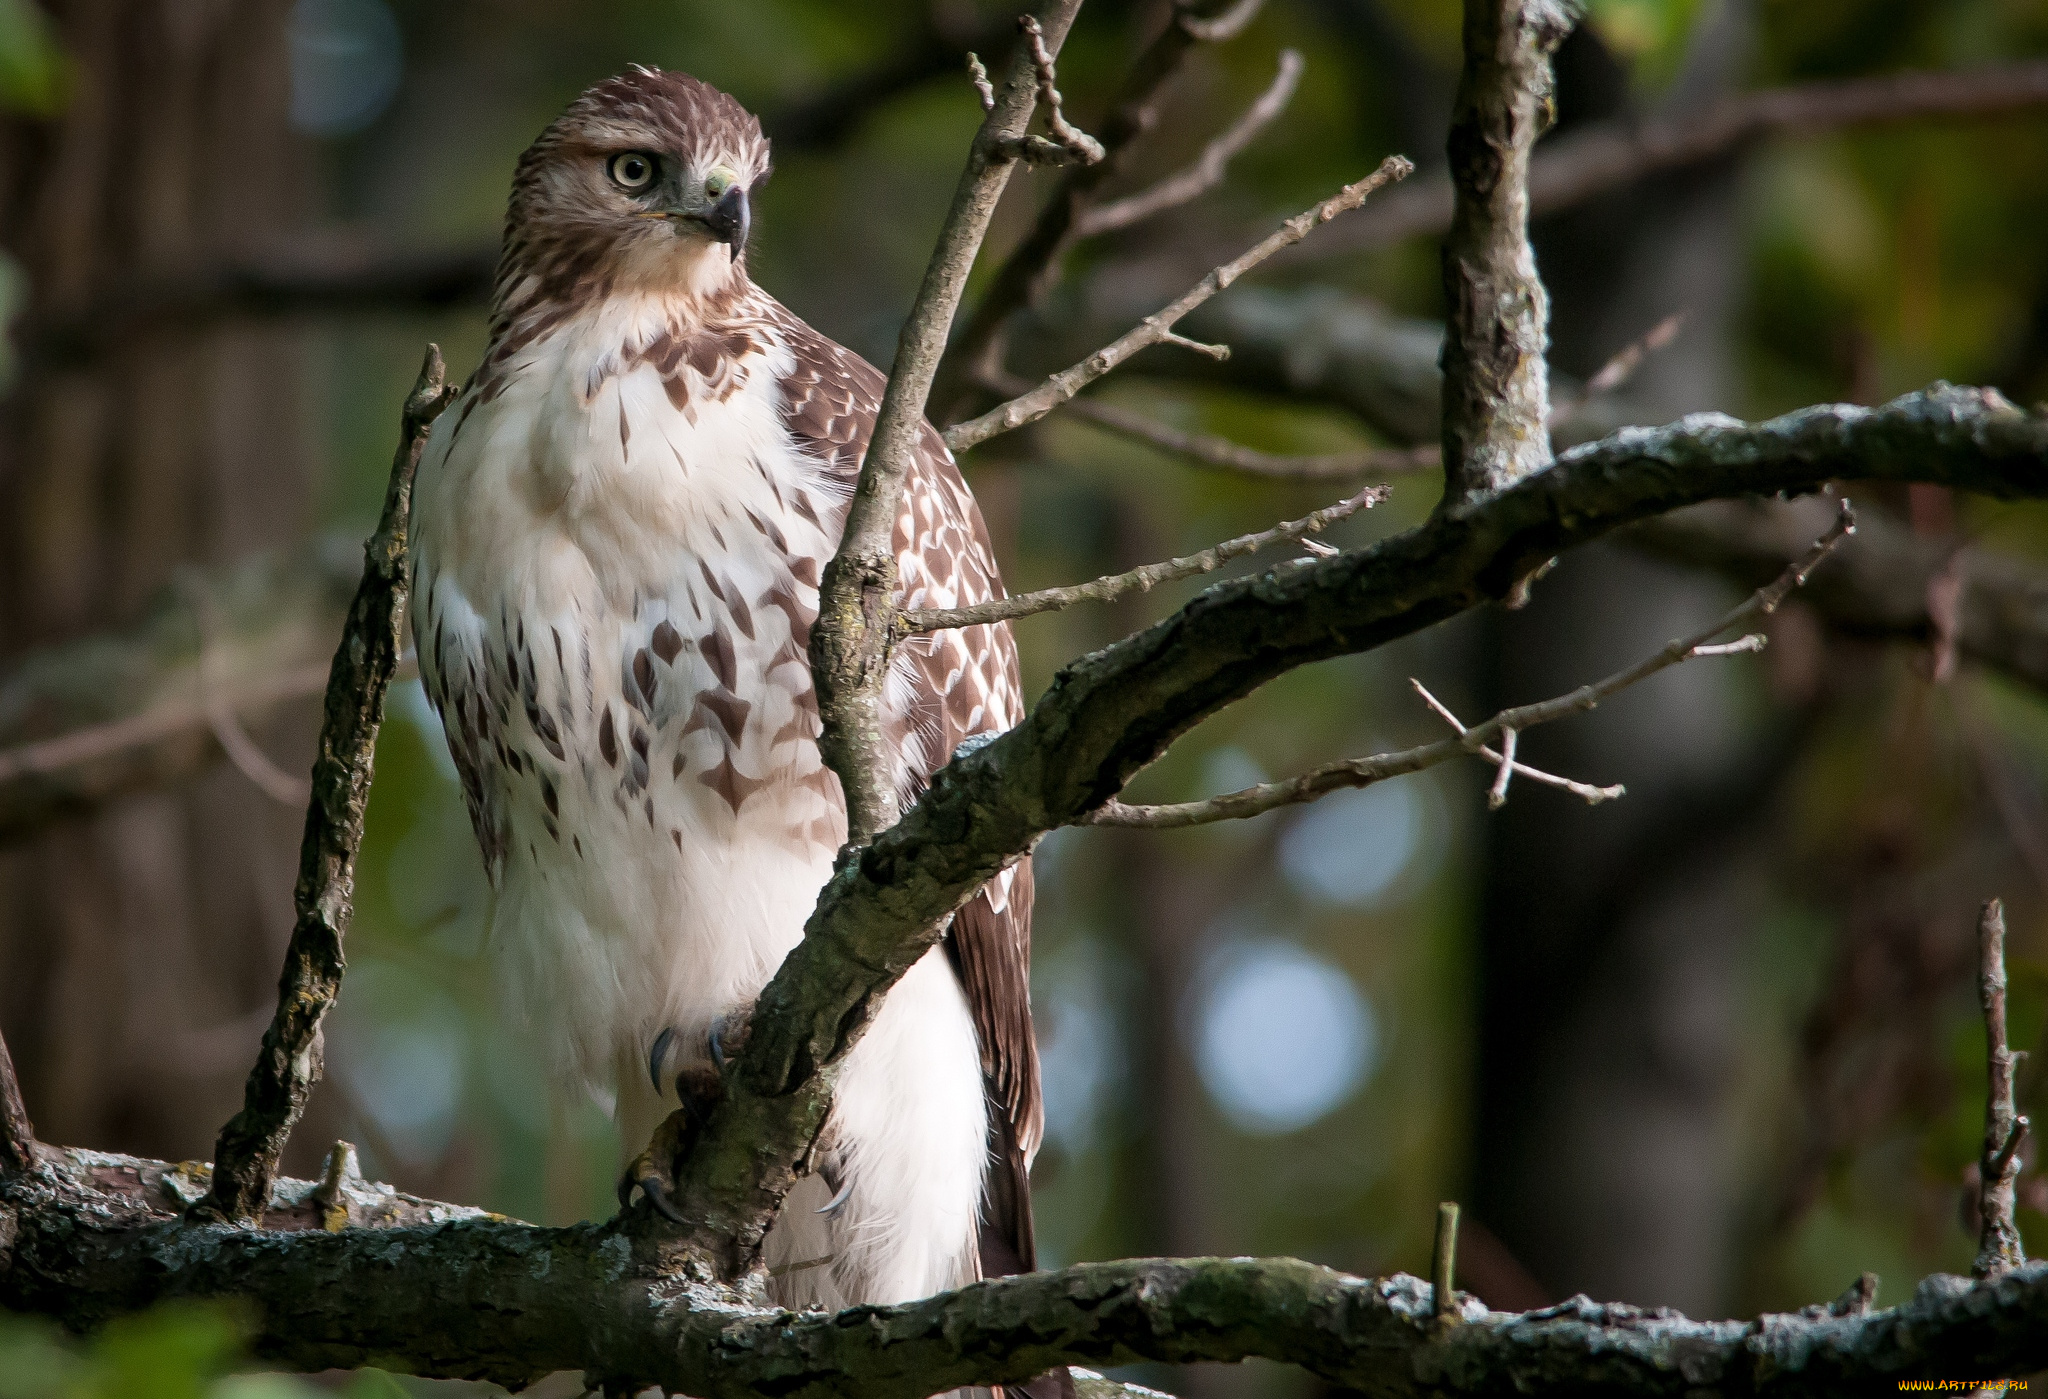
column 619, row 528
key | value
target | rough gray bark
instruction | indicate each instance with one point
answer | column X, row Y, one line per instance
column 456, row 1293
column 1496, row 411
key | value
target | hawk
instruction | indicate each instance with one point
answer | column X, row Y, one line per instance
column 618, row 532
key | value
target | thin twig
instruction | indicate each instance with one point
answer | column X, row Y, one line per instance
column 1363, row 772
column 289, row 1063
column 978, row 75
column 1060, row 387
column 1034, row 264
column 1443, row 1271
column 17, row 1133
column 1998, row 1242
column 849, row 646
column 1140, row 579
column 1585, row 791
column 1208, row 171
column 1497, row 795
column 1620, row 369
column 1069, row 144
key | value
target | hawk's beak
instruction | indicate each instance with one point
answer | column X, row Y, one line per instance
column 730, row 219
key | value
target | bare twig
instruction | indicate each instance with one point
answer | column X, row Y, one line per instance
column 1363, row 772
column 289, row 1063
column 1208, row 171
column 1033, row 265
column 1585, row 791
column 849, row 647
column 1158, row 327
column 1139, row 579
column 1496, row 404
column 1443, row 1271
column 1497, row 795
column 978, row 75
column 1998, row 1242
column 1069, row 145
column 17, row 1134
column 1620, row 369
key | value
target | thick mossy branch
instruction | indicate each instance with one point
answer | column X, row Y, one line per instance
column 439, row 1291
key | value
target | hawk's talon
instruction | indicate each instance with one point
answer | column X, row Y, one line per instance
column 656, row 1193
column 837, row 1200
column 653, row 1170
column 657, row 1056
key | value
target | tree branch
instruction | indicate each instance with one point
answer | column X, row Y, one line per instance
column 1207, row 172
column 849, row 647
column 1140, row 579
column 443, row 1291
column 508, row 1302
column 289, row 1062
column 1496, row 423
column 17, row 1133
column 1033, row 265
column 1109, row 714
column 1158, row 327
column 1364, row 772
column 1998, row 1246
column 1879, row 585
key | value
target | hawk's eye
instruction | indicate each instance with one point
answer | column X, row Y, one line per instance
column 632, row 170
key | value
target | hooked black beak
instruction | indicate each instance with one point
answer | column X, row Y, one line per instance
column 730, row 219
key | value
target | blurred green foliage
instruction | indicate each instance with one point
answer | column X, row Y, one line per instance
column 34, row 76
column 174, row 1351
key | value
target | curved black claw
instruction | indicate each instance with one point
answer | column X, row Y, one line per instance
column 657, row 1195
column 657, row 1055
column 837, row 1200
column 718, row 1045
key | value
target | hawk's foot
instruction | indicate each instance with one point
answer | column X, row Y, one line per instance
column 653, row 1171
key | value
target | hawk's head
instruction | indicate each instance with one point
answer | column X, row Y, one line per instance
column 643, row 184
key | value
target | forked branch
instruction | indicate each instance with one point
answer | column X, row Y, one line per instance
column 1158, row 328
column 1503, row 727
column 849, row 647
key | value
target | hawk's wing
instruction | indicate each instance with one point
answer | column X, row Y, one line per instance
column 944, row 689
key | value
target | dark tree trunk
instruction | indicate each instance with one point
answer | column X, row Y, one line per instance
column 138, row 948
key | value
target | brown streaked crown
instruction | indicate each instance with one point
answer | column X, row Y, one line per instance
column 571, row 233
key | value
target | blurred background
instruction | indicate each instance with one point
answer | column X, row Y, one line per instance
column 1714, row 1046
